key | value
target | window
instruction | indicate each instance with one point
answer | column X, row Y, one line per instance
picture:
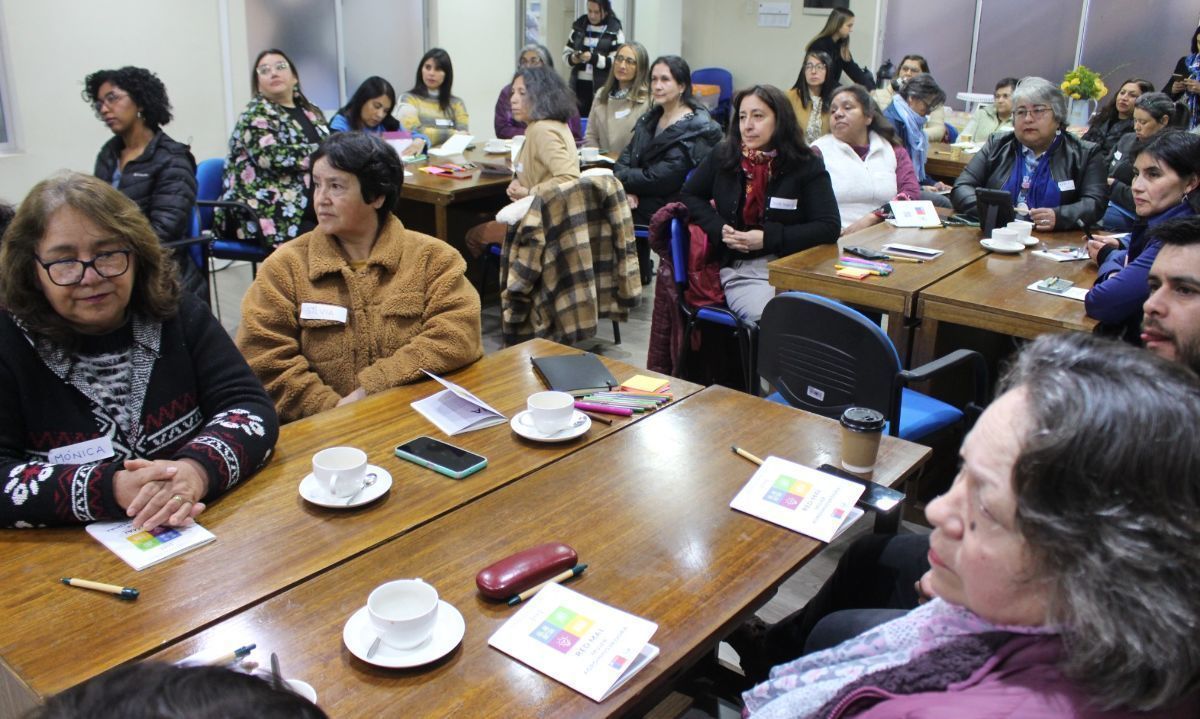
column 7, row 140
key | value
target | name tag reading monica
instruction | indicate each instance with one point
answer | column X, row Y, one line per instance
column 92, row 450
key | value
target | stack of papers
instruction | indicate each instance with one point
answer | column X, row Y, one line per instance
column 456, row 145
column 587, row 645
column 800, row 498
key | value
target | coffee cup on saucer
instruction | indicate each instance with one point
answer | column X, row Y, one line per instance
column 1023, row 229
column 1005, row 235
column 403, row 612
column 340, row 471
column 551, row 411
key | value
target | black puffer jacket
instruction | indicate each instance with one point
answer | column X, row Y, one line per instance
column 1108, row 133
column 1120, row 168
column 1078, row 166
column 654, row 166
column 162, row 181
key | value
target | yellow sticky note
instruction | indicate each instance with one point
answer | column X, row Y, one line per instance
column 853, row 273
column 642, row 383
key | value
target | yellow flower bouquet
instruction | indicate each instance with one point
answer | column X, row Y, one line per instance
column 1083, row 84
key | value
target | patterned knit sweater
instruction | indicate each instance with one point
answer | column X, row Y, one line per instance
column 172, row 390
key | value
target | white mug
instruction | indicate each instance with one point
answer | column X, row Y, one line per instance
column 1022, row 227
column 403, row 613
column 1003, row 234
column 342, row 471
column 551, row 411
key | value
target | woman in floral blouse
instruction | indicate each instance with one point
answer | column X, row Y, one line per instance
column 267, row 166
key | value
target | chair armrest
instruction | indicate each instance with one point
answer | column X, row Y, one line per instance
column 940, row 365
column 187, row 242
column 241, row 207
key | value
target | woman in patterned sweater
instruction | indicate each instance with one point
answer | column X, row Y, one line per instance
column 118, row 398
column 440, row 113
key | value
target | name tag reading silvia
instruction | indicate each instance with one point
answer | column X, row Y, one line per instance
column 318, row 311
column 783, row 203
column 92, row 450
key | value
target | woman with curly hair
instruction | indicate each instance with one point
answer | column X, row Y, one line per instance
column 119, row 399
column 142, row 161
column 267, row 167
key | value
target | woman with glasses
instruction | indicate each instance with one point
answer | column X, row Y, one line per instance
column 1056, row 180
column 508, row 127
column 622, row 101
column 142, row 161
column 120, row 398
column 267, row 167
column 911, row 66
column 440, row 113
column 908, row 112
column 808, row 96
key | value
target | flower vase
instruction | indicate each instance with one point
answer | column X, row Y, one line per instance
column 1079, row 112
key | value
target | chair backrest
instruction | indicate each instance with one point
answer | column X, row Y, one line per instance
column 718, row 76
column 208, row 187
column 823, row 356
column 679, row 252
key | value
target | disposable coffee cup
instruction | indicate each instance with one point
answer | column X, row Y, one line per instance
column 403, row 613
column 340, row 470
column 861, row 430
column 551, row 411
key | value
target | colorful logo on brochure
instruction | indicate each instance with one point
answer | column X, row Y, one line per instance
column 563, row 629
column 788, row 492
column 146, row 540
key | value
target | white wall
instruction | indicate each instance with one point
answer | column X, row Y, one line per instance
column 658, row 24
column 52, row 46
column 481, row 37
column 725, row 33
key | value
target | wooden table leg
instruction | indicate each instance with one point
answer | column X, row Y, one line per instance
column 899, row 332
column 925, row 344
column 441, row 222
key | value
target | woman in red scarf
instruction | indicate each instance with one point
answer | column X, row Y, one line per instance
column 761, row 194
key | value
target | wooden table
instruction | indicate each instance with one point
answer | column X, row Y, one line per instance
column 990, row 294
column 268, row 538
column 647, row 508
column 441, row 193
column 896, row 295
column 945, row 163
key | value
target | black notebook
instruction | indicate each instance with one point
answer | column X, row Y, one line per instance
column 578, row 374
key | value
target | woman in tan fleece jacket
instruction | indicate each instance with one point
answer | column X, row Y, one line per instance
column 360, row 304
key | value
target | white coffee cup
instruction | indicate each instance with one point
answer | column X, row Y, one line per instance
column 1023, row 229
column 342, row 471
column 589, row 154
column 403, row 613
column 551, row 411
column 1003, row 234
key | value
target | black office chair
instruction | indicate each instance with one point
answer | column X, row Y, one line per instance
column 823, row 356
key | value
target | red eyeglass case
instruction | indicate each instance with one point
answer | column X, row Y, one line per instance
column 525, row 569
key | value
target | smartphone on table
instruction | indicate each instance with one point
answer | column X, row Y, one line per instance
column 441, row 457
column 877, row 498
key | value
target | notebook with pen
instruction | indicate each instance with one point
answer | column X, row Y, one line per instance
column 578, row 374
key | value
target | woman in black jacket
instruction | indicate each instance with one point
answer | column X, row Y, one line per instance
column 834, row 41
column 668, row 141
column 1152, row 112
column 1115, row 119
column 142, row 161
column 773, row 197
column 595, row 38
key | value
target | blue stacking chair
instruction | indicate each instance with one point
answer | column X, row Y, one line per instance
column 723, row 79
column 208, row 196
column 746, row 332
column 823, row 356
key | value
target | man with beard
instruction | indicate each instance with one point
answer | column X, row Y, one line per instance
column 1171, row 315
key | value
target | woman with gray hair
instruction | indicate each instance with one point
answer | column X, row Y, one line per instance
column 532, row 55
column 1063, row 560
column 913, row 102
column 1056, row 180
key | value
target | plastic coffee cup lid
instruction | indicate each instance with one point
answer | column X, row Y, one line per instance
column 863, row 419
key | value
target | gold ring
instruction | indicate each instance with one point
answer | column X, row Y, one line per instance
column 178, row 498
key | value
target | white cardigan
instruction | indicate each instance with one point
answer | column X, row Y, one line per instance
column 860, row 186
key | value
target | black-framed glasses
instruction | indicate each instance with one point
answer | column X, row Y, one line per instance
column 814, row 66
column 265, row 69
column 623, row 60
column 1037, row 112
column 65, row 273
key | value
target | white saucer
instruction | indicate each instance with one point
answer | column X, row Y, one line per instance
column 580, row 423
column 1030, row 240
column 359, row 635
column 313, row 492
column 1002, row 246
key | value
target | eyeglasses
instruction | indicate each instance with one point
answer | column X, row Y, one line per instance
column 108, row 100
column 530, row 62
column 814, row 66
column 265, row 69
column 622, row 60
column 65, row 273
column 1037, row 112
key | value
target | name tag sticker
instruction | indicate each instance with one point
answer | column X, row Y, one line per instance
column 817, row 394
column 783, row 203
column 443, row 122
column 92, row 450
column 1066, row 185
column 519, row 168
column 1116, row 154
column 317, row 311
column 619, row 114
